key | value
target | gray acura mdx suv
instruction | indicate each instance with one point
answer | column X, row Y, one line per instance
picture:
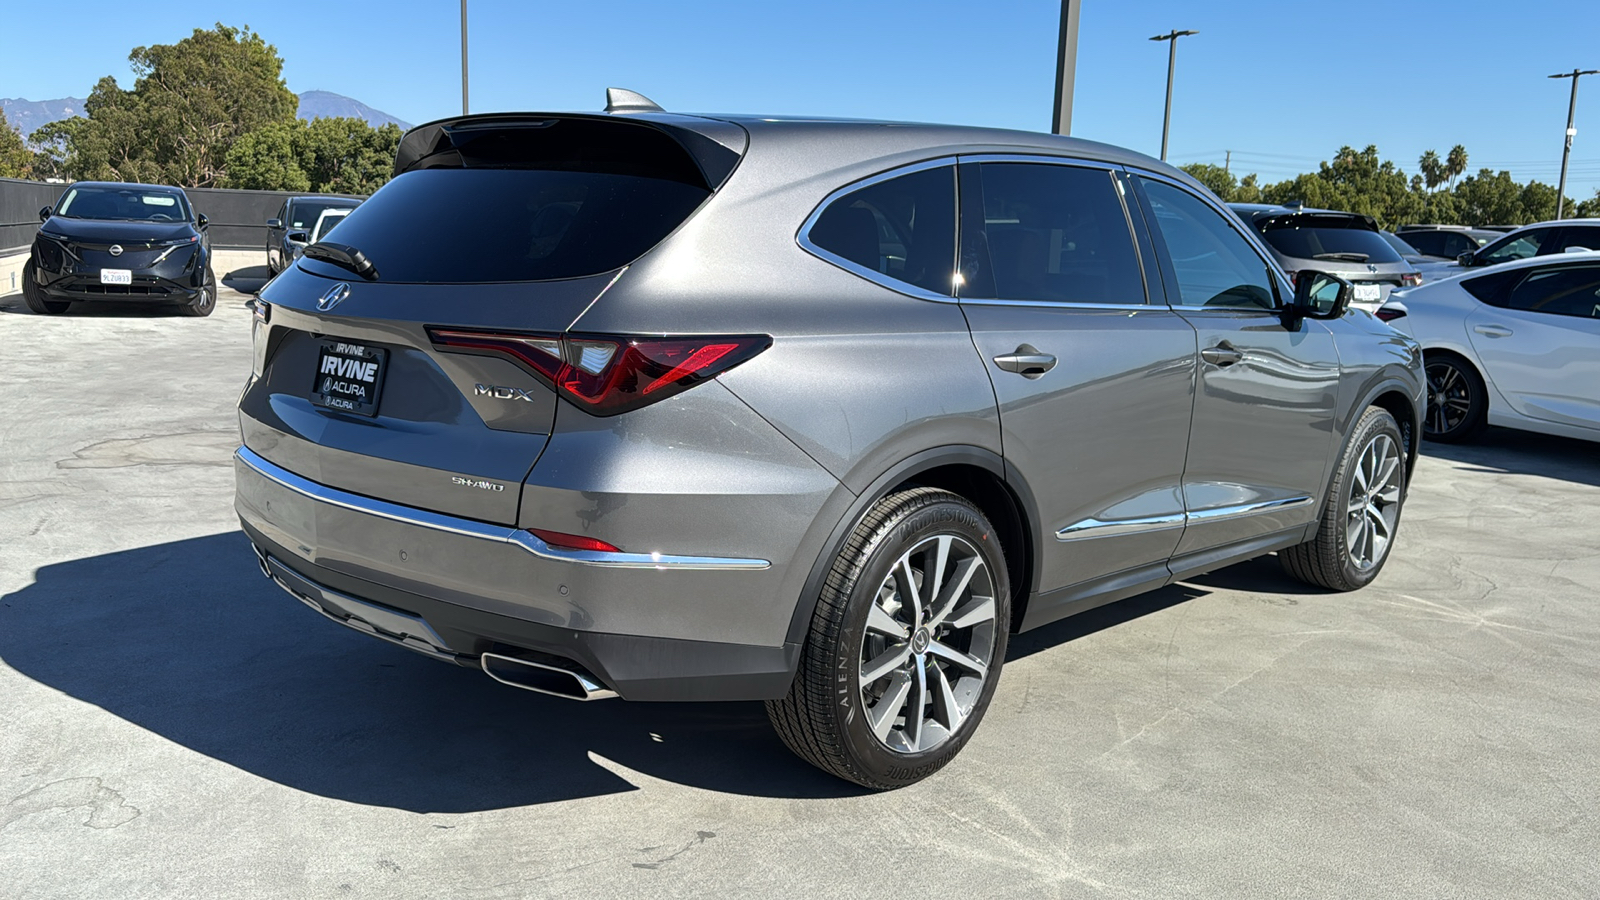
column 683, row 407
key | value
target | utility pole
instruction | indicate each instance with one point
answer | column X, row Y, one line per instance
column 1572, row 131
column 1227, row 162
column 463, row 57
column 1066, row 65
column 1172, row 61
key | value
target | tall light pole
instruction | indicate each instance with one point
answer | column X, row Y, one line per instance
column 1066, row 65
column 1172, row 61
column 1572, row 131
column 463, row 57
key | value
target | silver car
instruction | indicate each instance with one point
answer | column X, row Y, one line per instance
column 1346, row 244
column 676, row 407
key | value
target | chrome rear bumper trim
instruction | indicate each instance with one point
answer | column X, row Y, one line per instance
column 484, row 531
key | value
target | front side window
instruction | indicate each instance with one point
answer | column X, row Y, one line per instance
column 1513, row 247
column 1047, row 233
column 1214, row 264
column 1564, row 291
column 902, row 228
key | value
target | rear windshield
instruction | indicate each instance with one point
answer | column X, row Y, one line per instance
column 473, row 226
column 1327, row 238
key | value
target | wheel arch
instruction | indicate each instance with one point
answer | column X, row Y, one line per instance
column 980, row 476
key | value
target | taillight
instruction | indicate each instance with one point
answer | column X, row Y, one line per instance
column 1410, row 279
column 565, row 541
column 1291, row 277
column 1389, row 313
column 605, row 375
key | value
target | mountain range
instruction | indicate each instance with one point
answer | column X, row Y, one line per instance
column 27, row 115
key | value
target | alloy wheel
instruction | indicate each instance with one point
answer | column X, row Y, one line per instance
column 929, row 644
column 1449, row 398
column 1373, row 509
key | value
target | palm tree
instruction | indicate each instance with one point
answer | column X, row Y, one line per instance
column 1432, row 169
column 1455, row 164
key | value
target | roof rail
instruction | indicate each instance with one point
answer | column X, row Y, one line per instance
column 624, row 100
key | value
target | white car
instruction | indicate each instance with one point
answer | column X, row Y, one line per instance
column 1515, row 344
column 324, row 224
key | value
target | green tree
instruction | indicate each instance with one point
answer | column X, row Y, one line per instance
column 191, row 102
column 1490, row 198
column 16, row 161
column 1218, row 179
column 268, row 159
column 1590, row 208
column 1432, row 170
column 1248, row 190
column 1455, row 165
column 327, row 155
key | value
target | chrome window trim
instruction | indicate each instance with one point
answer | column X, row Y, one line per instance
column 484, row 531
column 1098, row 528
column 1264, row 252
column 803, row 236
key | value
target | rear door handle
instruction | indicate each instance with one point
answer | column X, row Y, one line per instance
column 1026, row 361
column 1222, row 355
column 1494, row 331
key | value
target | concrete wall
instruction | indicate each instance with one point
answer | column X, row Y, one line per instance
column 238, row 218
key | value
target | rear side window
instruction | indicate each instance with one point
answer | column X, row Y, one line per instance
column 473, row 226
column 1214, row 264
column 1428, row 242
column 1564, row 291
column 1334, row 238
column 902, row 229
column 1578, row 236
column 1049, row 233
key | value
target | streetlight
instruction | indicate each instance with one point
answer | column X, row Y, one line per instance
column 1566, row 151
column 1172, row 60
column 1066, row 64
column 463, row 57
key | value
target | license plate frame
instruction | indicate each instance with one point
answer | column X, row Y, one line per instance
column 1368, row 293
column 349, row 377
column 116, row 276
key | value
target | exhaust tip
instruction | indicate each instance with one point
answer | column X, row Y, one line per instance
column 543, row 679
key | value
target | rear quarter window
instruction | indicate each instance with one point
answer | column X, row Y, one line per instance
column 902, row 229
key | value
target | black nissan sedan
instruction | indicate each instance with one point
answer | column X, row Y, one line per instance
column 120, row 242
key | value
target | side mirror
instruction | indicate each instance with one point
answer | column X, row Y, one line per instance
column 274, row 223
column 202, row 221
column 44, row 213
column 1318, row 295
column 1465, row 259
column 299, row 237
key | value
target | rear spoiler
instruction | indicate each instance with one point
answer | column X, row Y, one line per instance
column 625, row 142
column 1316, row 220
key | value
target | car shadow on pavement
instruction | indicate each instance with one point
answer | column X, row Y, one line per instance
column 1511, row 451
column 247, row 280
column 188, row 640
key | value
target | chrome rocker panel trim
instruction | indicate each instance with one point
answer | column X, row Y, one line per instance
column 484, row 531
column 1096, row 528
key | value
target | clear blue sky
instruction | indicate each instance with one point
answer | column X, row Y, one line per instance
column 1281, row 83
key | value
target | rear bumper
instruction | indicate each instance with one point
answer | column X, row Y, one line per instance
column 455, row 589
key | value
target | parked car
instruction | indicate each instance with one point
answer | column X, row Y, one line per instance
column 1407, row 252
column 676, row 407
column 325, row 222
column 1540, row 239
column 120, row 242
column 1445, row 241
column 296, row 216
column 1516, row 345
column 1344, row 244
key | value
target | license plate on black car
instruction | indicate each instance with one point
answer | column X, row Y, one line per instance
column 349, row 377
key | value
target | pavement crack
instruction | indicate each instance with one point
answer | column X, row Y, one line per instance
column 106, row 807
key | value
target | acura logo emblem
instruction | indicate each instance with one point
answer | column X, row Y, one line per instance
column 116, row 249
column 335, row 294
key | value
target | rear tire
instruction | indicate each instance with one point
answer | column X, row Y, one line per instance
column 906, row 643
column 1458, row 402
column 1361, row 514
column 35, row 299
column 206, row 303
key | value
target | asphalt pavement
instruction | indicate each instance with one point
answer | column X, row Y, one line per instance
column 172, row 725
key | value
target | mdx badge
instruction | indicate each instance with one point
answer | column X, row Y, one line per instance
column 334, row 295
column 501, row 392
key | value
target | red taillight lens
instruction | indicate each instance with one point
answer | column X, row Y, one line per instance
column 1411, row 279
column 1291, row 277
column 609, row 374
column 1389, row 313
column 566, row 541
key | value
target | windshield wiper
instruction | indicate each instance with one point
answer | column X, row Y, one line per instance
column 347, row 257
column 1342, row 257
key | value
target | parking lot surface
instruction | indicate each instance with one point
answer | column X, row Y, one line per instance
column 171, row 724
